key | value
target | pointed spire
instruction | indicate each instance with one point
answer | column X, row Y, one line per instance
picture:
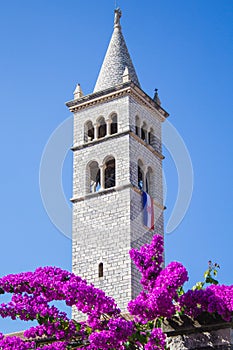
column 78, row 92
column 117, row 58
column 156, row 97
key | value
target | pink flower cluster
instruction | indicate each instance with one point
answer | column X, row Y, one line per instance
column 149, row 261
column 32, row 293
column 14, row 343
column 157, row 340
column 119, row 330
column 56, row 346
column 159, row 286
column 105, row 328
column 215, row 299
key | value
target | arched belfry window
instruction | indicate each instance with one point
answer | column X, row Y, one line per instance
column 110, row 173
column 140, row 175
column 93, row 177
column 151, row 137
column 149, row 182
column 101, row 270
column 88, row 131
column 137, row 126
column 102, row 129
column 144, row 132
column 114, row 128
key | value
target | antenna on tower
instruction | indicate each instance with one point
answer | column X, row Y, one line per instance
column 116, row 4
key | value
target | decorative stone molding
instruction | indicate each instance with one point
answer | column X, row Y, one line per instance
column 128, row 88
column 117, row 135
column 113, row 189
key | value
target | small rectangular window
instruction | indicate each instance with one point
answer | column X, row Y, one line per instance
column 101, row 270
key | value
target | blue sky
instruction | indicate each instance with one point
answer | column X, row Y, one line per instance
column 183, row 48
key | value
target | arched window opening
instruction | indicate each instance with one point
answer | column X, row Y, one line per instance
column 137, row 126
column 94, row 177
column 144, row 132
column 140, row 176
column 149, row 181
column 101, row 270
column 110, row 173
column 88, row 131
column 147, row 184
column 102, row 128
column 114, row 125
column 151, row 137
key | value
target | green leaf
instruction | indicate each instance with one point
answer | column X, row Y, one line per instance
column 78, row 326
column 180, row 291
column 88, row 330
column 142, row 338
column 198, row 286
column 214, row 281
column 211, row 280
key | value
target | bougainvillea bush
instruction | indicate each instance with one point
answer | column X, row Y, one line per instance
column 162, row 296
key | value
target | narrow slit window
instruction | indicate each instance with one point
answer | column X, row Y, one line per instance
column 102, row 128
column 140, row 178
column 144, row 132
column 151, row 137
column 114, row 125
column 110, row 173
column 150, row 182
column 88, row 131
column 94, row 177
column 137, row 126
column 101, row 270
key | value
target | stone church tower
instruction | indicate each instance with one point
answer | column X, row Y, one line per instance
column 117, row 157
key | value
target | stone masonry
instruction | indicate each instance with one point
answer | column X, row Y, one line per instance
column 108, row 222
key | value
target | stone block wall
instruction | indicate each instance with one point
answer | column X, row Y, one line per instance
column 108, row 223
column 101, row 226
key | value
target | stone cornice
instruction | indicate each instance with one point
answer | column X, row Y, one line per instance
column 149, row 147
column 101, row 140
column 120, row 134
column 113, row 189
column 100, row 193
column 121, row 90
column 145, row 100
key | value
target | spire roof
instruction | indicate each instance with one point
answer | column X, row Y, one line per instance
column 116, row 60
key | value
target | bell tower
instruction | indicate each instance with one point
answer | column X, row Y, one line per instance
column 117, row 173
